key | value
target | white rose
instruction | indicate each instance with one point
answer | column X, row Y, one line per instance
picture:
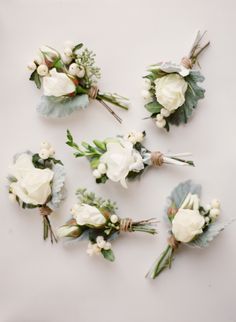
column 88, row 215
column 120, row 159
column 169, row 67
column 170, row 91
column 32, row 185
column 187, row 224
column 57, row 84
column 50, row 53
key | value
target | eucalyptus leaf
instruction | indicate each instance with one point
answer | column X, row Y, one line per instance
column 56, row 107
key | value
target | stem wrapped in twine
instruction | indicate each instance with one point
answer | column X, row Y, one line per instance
column 174, row 244
column 93, row 94
column 45, row 211
column 157, row 158
column 126, row 224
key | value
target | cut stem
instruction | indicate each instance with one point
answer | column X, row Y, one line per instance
column 110, row 110
column 47, row 229
column 163, row 262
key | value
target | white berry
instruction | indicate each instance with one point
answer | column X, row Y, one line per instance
column 66, row 60
column 80, row 72
column 146, row 84
column 96, row 174
column 45, row 145
column 161, row 124
column 68, row 51
column 102, row 168
column 69, row 44
column 12, row 197
column 214, row 213
column 100, row 241
column 215, row 204
column 42, row 70
column 73, row 68
column 51, row 152
column 44, row 154
column 39, row 59
column 159, row 117
column 114, row 219
column 146, row 94
column 165, row 112
column 32, row 66
column 107, row 246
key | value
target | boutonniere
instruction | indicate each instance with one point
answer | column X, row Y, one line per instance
column 122, row 157
column 171, row 90
column 191, row 223
column 95, row 220
column 69, row 81
column 37, row 181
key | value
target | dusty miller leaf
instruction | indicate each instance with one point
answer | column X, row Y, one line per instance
column 58, row 182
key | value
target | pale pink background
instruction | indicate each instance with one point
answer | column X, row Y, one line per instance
column 41, row 283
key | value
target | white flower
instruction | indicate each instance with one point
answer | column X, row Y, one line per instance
column 80, row 72
column 39, row 59
column 146, row 84
column 73, row 69
column 169, row 67
column 164, row 112
column 57, row 84
column 215, row 203
column 146, row 94
column 100, row 241
column 114, row 219
column 67, row 231
column 120, row 159
column 44, row 154
column 32, row 66
column 135, row 137
column 187, row 224
column 49, row 53
column 170, row 91
column 102, row 168
column 68, row 51
column 42, row 70
column 32, row 185
column 97, row 174
column 107, row 246
column 88, row 215
column 214, row 213
column 93, row 249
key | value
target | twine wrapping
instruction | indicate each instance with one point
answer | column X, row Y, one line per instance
column 173, row 242
column 93, row 92
column 157, row 158
column 187, row 62
column 126, row 224
column 45, row 211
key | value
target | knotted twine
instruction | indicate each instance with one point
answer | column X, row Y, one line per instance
column 93, row 92
column 126, row 224
column 174, row 244
column 187, row 62
column 45, row 211
column 157, row 158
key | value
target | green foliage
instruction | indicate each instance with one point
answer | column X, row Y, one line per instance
column 108, row 254
column 43, row 164
column 77, row 47
column 153, row 107
column 162, row 263
column 36, row 78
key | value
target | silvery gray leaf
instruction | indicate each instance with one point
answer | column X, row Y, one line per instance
column 213, row 230
column 58, row 192
column 180, row 192
column 55, row 107
column 16, row 156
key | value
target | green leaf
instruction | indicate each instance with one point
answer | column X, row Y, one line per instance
column 58, row 64
column 101, row 145
column 35, row 78
column 77, row 47
column 163, row 262
column 108, row 255
column 94, row 163
column 153, row 107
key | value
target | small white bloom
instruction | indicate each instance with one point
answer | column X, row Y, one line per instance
column 135, row 137
column 102, row 168
column 44, row 154
column 45, row 145
column 32, row 66
column 215, row 203
column 12, row 197
column 80, row 72
column 42, row 70
column 214, row 213
column 114, row 219
column 89, row 215
column 66, row 60
column 107, row 246
column 93, row 249
column 165, row 112
column 146, row 94
column 207, row 220
column 170, row 91
column 73, row 69
column 159, row 117
column 161, row 124
column 97, row 174
column 146, row 84
column 68, row 51
column 187, row 224
column 51, row 152
column 57, row 84
column 100, row 241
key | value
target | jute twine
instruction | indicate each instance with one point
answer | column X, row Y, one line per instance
column 93, row 92
column 187, row 62
column 125, row 224
column 157, row 158
column 45, row 211
column 173, row 242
